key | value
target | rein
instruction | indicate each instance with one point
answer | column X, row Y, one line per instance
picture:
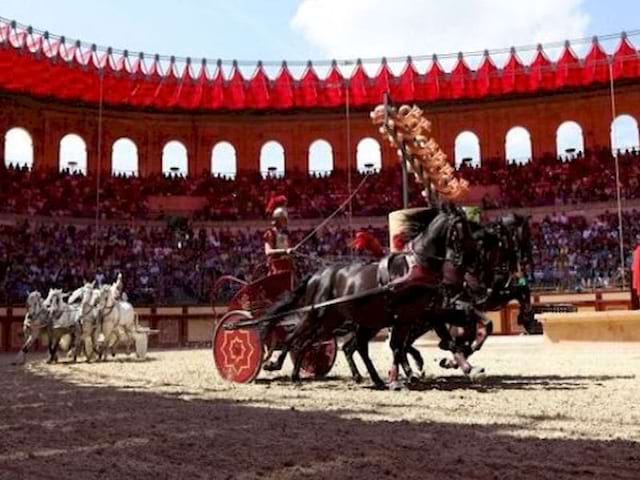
column 330, row 217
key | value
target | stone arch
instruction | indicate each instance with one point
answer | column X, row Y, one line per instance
column 272, row 159
column 517, row 145
column 124, row 157
column 467, row 149
column 368, row 155
column 569, row 140
column 18, row 148
column 224, row 160
column 175, row 159
column 624, row 133
column 73, row 154
column 320, row 157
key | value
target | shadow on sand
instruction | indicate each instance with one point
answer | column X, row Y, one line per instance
column 51, row 429
column 514, row 382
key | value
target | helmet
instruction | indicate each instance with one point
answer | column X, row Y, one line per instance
column 280, row 213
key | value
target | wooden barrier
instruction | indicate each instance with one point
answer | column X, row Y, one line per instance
column 601, row 326
column 191, row 326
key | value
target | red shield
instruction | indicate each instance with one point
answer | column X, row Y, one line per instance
column 237, row 353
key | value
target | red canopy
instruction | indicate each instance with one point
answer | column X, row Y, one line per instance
column 36, row 65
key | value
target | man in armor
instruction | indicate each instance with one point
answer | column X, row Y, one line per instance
column 276, row 239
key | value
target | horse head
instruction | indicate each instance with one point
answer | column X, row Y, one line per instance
column 103, row 298
column 115, row 289
column 34, row 302
column 518, row 233
column 81, row 292
column 448, row 239
column 54, row 303
column 87, row 293
column 34, row 312
column 49, row 300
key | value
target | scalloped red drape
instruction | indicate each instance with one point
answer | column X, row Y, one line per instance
column 36, row 66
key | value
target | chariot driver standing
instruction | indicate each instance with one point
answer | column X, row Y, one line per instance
column 276, row 239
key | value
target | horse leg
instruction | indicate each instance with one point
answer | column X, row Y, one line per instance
column 298, row 351
column 398, row 347
column 273, row 365
column 303, row 326
column 21, row 357
column 76, row 341
column 363, row 336
column 54, row 342
column 417, row 357
column 88, row 348
column 349, row 348
column 111, row 344
column 484, row 329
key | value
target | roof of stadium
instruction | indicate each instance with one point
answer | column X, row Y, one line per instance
column 48, row 66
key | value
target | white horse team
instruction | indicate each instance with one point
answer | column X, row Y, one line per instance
column 93, row 321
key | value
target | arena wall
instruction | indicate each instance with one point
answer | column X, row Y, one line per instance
column 192, row 326
column 490, row 120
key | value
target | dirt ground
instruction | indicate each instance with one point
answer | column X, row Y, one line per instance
column 543, row 412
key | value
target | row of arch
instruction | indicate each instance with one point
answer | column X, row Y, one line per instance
column 569, row 142
column 124, row 156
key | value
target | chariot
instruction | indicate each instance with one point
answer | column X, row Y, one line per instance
column 241, row 346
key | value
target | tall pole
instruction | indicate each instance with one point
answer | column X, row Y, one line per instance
column 617, row 165
column 349, row 162
column 98, row 173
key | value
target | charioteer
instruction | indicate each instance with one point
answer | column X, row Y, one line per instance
column 277, row 246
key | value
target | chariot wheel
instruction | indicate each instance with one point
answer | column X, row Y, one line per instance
column 318, row 359
column 237, row 353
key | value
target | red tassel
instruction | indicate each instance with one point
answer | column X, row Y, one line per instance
column 275, row 202
column 399, row 241
column 365, row 242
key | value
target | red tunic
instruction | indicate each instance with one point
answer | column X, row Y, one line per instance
column 278, row 239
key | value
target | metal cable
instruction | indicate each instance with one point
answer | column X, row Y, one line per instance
column 319, row 62
column 328, row 219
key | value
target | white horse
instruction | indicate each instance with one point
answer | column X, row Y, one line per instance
column 88, row 315
column 35, row 323
column 118, row 321
column 64, row 328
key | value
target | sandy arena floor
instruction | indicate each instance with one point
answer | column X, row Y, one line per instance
column 543, row 412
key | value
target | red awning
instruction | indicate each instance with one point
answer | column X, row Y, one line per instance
column 36, row 65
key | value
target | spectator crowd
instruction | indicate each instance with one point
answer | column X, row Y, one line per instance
column 171, row 264
column 175, row 263
column 550, row 181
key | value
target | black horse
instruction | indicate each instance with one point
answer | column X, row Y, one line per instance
column 504, row 247
column 442, row 256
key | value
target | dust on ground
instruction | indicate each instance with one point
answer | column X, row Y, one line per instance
column 568, row 411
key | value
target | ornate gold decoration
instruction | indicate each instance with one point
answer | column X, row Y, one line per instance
column 407, row 130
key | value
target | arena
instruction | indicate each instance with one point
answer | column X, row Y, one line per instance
column 404, row 266
column 543, row 412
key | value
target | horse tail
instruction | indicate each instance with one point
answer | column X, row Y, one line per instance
column 289, row 300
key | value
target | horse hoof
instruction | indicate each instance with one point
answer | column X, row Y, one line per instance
column 357, row 378
column 270, row 367
column 395, row 386
column 424, row 376
column 447, row 364
column 477, row 374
